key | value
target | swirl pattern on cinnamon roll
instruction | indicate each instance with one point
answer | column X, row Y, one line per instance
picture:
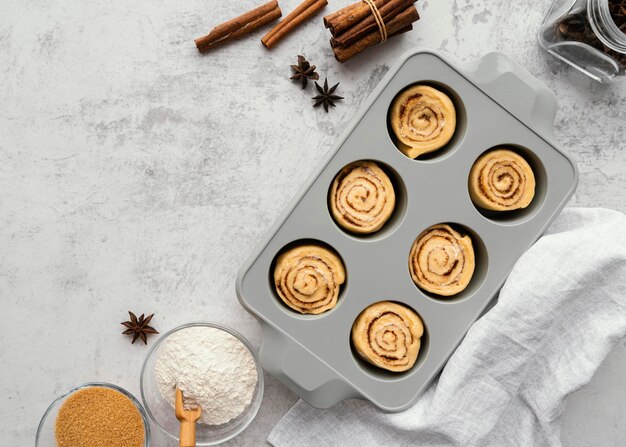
column 442, row 260
column 388, row 335
column 501, row 180
column 361, row 197
column 307, row 278
column 423, row 120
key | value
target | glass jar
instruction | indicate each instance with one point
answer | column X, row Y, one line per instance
column 590, row 35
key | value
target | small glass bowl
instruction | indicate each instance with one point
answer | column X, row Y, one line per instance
column 162, row 413
column 46, row 431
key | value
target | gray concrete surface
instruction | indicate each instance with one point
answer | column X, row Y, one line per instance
column 137, row 174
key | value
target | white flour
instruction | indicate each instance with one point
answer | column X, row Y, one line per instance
column 212, row 368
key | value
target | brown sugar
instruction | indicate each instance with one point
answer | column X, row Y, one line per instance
column 99, row 417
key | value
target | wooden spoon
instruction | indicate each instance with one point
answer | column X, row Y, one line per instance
column 187, row 420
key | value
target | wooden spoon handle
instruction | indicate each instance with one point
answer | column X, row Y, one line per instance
column 187, row 433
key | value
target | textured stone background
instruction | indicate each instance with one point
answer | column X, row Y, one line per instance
column 137, row 174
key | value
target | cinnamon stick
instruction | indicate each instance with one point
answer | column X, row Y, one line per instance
column 368, row 24
column 406, row 29
column 239, row 26
column 330, row 18
column 397, row 25
column 304, row 11
column 353, row 14
column 342, row 55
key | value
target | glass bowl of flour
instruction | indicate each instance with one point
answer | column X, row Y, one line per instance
column 215, row 367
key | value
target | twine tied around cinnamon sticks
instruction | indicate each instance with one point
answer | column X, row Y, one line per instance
column 368, row 22
column 379, row 20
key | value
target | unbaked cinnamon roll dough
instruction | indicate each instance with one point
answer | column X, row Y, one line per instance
column 501, row 180
column 423, row 120
column 307, row 278
column 362, row 197
column 388, row 335
column 441, row 260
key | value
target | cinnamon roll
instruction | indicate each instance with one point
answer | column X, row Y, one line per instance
column 501, row 180
column 307, row 278
column 442, row 260
column 388, row 335
column 423, row 120
column 362, row 197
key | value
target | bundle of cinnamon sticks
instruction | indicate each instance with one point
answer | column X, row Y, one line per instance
column 366, row 23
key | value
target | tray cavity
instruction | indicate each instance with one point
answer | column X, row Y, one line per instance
column 481, row 267
column 272, row 286
column 461, row 122
column 382, row 374
column 399, row 210
column 516, row 217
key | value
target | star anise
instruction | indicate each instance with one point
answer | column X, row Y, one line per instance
column 304, row 71
column 139, row 327
column 326, row 96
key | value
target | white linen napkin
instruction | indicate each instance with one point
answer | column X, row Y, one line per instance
column 559, row 314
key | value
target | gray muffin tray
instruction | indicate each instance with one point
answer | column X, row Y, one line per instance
column 498, row 104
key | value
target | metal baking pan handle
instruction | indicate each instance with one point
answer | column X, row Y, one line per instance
column 516, row 89
column 301, row 371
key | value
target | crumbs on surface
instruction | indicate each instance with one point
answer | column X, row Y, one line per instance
column 99, row 417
